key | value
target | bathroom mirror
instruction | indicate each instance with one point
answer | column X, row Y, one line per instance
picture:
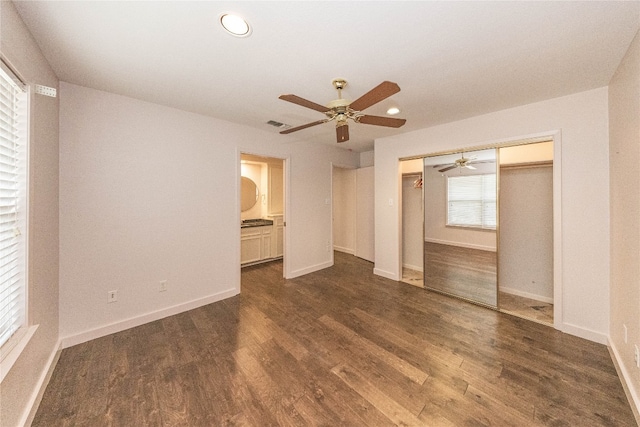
column 460, row 225
column 249, row 194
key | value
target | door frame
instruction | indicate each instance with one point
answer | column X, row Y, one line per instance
column 556, row 137
column 286, row 170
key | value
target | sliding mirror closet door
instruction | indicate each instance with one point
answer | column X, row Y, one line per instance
column 460, row 244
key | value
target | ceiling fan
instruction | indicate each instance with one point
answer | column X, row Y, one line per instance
column 342, row 110
column 462, row 162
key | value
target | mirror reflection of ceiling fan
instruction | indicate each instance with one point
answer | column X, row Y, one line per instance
column 461, row 163
column 342, row 110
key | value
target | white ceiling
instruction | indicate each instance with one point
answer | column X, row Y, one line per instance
column 452, row 60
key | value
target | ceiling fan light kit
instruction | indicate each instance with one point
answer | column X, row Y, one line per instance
column 342, row 110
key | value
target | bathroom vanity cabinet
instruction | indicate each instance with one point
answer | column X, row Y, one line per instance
column 255, row 244
column 261, row 239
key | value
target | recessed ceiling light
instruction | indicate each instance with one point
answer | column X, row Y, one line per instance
column 393, row 111
column 235, row 25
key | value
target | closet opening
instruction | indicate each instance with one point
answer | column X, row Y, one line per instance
column 488, row 227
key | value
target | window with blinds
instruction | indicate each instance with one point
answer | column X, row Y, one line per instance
column 471, row 201
column 13, row 117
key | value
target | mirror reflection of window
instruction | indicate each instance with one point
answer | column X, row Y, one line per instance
column 460, row 212
column 471, row 201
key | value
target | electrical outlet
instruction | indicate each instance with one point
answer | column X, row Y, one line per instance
column 163, row 286
column 112, row 296
column 624, row 330
column 636, row 356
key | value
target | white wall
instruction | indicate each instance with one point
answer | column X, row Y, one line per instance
column 150, row 193
column 412, row 220
column 582, row 122
column 525, row 261
column 275, row 188
column 367, row 158
column 344, row 210
column 19, row 389
column 624, row 151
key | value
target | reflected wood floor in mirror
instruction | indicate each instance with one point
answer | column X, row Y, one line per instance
column 464, row 272
column 338, row 347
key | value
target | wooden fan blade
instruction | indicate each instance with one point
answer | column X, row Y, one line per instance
column 448, row 169
column 375, row 95
column 304, row 102
column 476, row 162
column 382, row 121
column 468, row 166
column 308, row 125
column 342, row 133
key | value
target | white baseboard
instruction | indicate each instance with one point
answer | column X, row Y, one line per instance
column 587, row 334
column 626, row 380
column 462, row 245
column 132, row 322
column 36, row 396
column 311, row 269
column 386, row 274
column 523, row 294
column 412, row 267
column 345, row 250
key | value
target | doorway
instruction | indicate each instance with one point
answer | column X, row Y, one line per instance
column 262, row 209
column 343, row 209
column 352, row 194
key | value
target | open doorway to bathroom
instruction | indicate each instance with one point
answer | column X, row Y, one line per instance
column 262, row 209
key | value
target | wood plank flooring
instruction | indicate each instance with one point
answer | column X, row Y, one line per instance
column 534, row 310
column 412, row 277
column 339, row 347
column 463, row 272
column 470, row 274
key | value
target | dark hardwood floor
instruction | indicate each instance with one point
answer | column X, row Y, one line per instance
column 339, row 347
column 463, row 272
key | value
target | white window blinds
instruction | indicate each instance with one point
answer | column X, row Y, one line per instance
column 13, row 118
column 471, row 201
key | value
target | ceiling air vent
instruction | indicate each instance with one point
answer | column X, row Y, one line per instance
column 279, row 125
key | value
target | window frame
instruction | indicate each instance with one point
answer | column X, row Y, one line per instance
column 11, row 349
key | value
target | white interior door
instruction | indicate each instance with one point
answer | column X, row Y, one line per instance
column 365, row 226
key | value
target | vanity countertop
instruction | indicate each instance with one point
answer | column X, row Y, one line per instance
column 258, row 222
